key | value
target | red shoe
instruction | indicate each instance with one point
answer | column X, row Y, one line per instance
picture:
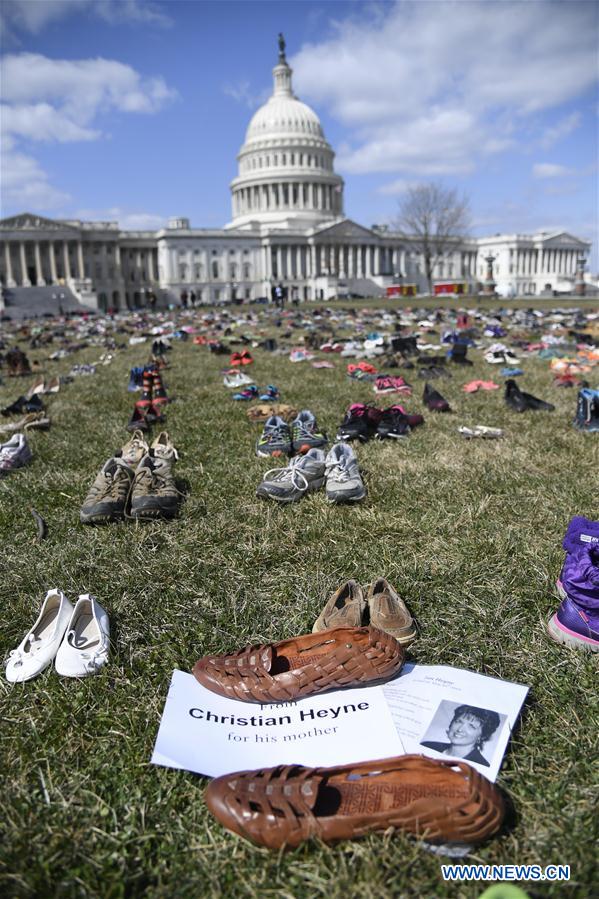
column 159, row 396
column 246, row 358
column 236, row 359
column 145, row 400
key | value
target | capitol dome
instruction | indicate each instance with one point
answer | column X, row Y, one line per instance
column 286, row 177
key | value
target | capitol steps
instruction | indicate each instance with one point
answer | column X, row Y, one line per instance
column 29, row 302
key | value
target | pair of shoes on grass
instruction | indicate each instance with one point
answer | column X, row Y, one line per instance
column 149, row 408
column 271, row 394
column 76, row 638
column 141, row 476
column 576, row 622
column 381, row 606
column 14, row 454
column 362, row 422
column 392, row 384
column 281, row 439
column 337, row 471
column 234, row 379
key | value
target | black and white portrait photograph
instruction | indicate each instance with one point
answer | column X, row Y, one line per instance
column 464, row 731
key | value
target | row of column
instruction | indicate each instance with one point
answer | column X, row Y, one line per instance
column 548, row 262
column 340, row 260
column 58, row 255
column 287, row 195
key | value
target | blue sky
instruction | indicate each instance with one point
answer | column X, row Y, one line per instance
column 135, row 111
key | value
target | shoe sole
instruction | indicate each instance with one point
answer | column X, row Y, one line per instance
column 276, row 454
column 567, row 637
column 346, row 499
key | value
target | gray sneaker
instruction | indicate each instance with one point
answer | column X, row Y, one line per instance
column 15, row 453
column 108, row 495
column 301, row 476
column 154, row 493
column 275, row 439
column 344, row 481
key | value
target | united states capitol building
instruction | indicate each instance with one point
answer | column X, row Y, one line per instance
column 288, row 228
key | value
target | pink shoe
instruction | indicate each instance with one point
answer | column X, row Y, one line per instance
column 489, row 385
column 472, row 386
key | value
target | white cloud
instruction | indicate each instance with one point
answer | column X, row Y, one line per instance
column 34, row 15
column 24, row 183
column 551, row 170
column 561, row 129
column 53, row 100
column 431, row 89
column 395, row 188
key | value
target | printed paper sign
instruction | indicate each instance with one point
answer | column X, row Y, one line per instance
column 445, row 712
column 209, row 734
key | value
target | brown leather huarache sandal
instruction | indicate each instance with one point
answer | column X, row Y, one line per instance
column 438, row 801
column 302, row 666
column 263, row 411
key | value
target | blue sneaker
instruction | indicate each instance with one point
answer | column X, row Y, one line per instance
column 135, row 378
column 511, row 372
column 249, row 393
column 587, row 410
column 270, row 394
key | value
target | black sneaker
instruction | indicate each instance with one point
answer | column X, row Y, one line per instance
column 533, row 402
column 360, row 423
column 394, row 424
column 433, row 399
column 514, row 396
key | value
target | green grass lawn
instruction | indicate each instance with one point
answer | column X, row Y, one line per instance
column 469, row 532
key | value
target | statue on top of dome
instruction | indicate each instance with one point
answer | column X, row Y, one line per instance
column 281, row 47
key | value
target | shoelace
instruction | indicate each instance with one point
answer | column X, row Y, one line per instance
column 34, row 646
column 339, row 467
column 275, row 432
column 290, row 473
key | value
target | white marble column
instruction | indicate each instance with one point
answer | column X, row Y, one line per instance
column 25, row 282
column 80, row 259
column 67, row 264
column 10, row 281
column 52, row 255
column 39, row 275
column 151, row 268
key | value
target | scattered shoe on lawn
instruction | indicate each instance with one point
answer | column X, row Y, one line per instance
column 434, row 400
column 14, row 454
column 302, row 666
column 305, row 433
column 345, row 608
column 302, row 475
column 37, row 650
column 275, row 439
column 108, row 495
column 389, row 613
column 360, row 422
column 84, row 649
column 343, row 479
column 154, row 493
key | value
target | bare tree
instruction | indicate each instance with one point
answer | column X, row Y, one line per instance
column 434, row 218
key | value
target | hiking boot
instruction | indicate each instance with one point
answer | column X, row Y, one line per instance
column 154, row 494
column 434, row 400
column 388, row 611
column 360, row 423
column 344, row 609
column 513, row 396
column 276, row 438
column 108, row 495
column 394, row 424
column 134, row 450
column 343, row 479
column 14, row 454
column 303, row 475
column 587, row 410
column 305, row 434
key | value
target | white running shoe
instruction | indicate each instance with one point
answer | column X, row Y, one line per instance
column 84, row 650
column 343, row 479
column 39, row 646
column 236, row 380
column 15, row 453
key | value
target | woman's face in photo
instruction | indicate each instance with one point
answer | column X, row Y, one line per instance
column 464, row 730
